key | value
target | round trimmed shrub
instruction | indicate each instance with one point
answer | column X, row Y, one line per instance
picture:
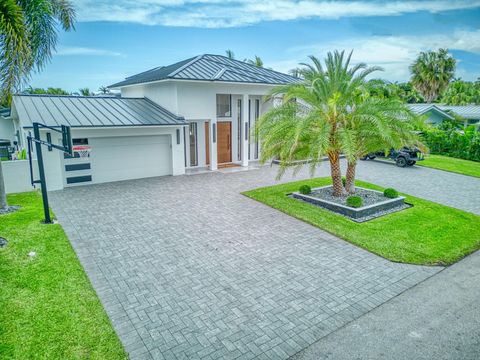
column 390, row 193
column 354, row 201
column 305, row 189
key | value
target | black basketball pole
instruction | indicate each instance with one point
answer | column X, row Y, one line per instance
column 41, row 171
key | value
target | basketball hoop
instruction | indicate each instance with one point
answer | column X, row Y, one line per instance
column 83, row 151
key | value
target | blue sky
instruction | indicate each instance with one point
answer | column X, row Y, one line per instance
column 117, row 38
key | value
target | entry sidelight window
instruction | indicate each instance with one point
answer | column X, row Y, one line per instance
column 224, row 105
column 239, row 129
column 193, row 144
column 257, row 114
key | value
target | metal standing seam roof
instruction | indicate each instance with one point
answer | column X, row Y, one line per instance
column 209, row 67
column 465, row 111
column 91, row 111
column 420, row 109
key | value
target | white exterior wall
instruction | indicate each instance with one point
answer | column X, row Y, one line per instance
column 164, row 93
column 196, row 101
column 16, row 175
column 7, row 130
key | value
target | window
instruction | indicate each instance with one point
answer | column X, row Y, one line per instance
column 239, row 129
column 193, row 144
column 257, row 114
column 249, row 125
column 224, row 105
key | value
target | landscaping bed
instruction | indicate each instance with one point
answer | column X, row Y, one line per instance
column 48, row 308
column 427, row 233
column 374, row 203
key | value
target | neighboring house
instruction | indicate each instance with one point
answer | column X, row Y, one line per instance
column 436, row 113
column 7, row 130
column 196, row 113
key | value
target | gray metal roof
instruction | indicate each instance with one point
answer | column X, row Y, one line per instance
column 420, row 109
column 91, row 111
column 210, row 68
column 466, row 111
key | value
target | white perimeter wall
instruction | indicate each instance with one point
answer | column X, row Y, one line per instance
column 16, row 175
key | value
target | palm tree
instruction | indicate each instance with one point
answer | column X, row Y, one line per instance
column 257, row 61
column 28, row 35
column 461, row 92
column 432, row 72
column 85, row 91
column 295, row 72
column 230, row 54
column 329, row 113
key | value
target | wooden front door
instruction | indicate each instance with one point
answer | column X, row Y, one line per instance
column 224, row 142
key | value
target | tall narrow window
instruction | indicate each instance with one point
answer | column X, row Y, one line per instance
column 224, row 105
column 257, row 114
column 249, row 124
column 239, row 129
column 193, row 144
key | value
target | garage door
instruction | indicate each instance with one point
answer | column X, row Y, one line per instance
column 123, row 158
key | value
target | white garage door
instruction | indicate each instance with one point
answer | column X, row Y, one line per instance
column 122, row 158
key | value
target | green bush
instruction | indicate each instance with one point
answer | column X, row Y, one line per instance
column 305, row 189
column 354, row 201
column 344, row 180
column 390, row 193
column 452, row 142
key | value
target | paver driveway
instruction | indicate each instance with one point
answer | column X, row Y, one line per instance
column 187, row 267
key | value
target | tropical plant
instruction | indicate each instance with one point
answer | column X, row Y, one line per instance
column 230, row 54
column 432, row 72
column 329, row 113
column 85, row 91
column 49, row 91
column 257, row 61
column 295, row 72
column 104, row 90
column 461, row 92
column 28, row 34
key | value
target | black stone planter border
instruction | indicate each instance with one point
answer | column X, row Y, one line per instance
column 360, row 214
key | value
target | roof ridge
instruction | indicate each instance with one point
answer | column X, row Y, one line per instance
column 78, row 96
column 194, row 60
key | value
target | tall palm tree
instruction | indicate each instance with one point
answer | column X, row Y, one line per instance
column 431, row 73
column 329, row 113
column 28, row 34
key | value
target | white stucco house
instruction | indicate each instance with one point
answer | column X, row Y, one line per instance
column 196, row 113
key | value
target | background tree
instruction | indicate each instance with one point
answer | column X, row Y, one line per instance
column 432, row 72
column 257, row 61
column 461, row 92
column 295, row 72
column 85, row 91
column 329, row 113
column 104, row 90
column 230, row 54
column 49, row 91
column 28, row 35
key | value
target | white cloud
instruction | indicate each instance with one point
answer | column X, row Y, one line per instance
column 393, row 53
column 232, row 13
column 75, row 50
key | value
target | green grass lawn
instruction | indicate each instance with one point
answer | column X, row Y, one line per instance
column 428, row 233
column 48, row 308
column 460, row 166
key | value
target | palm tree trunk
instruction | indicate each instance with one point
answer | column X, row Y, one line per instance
column 336, row 174
column 3, row 195
column 350, row 178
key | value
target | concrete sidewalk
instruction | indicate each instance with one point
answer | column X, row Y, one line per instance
column 437, row 319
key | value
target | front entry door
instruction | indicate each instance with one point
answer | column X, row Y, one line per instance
column 224, row 142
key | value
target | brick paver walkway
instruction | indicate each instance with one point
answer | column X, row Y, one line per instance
column 187, row 267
